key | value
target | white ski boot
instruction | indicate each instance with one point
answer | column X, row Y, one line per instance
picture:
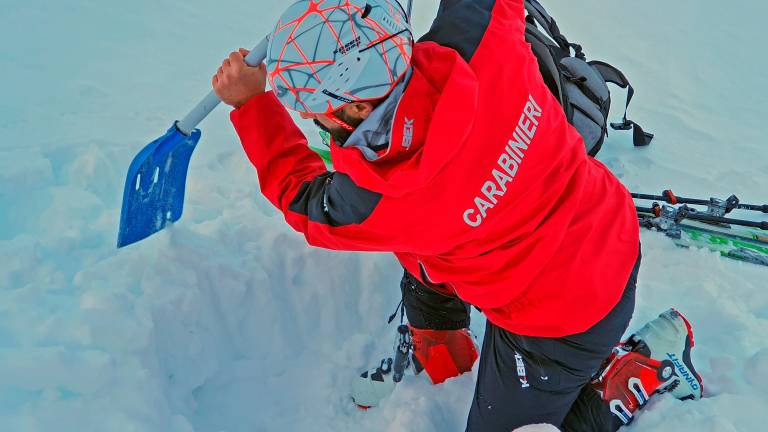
column 670, row 338
column 655, row 359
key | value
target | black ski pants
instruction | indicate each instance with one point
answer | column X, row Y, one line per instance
column 529, row 380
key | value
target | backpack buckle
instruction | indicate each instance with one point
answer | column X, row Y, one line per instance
column 578, row 51
column 625, row 125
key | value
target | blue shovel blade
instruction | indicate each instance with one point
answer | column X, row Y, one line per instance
column 154, row 187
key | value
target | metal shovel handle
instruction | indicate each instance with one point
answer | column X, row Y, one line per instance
column 211, row 101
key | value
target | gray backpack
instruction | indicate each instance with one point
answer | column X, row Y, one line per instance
column 578, row 84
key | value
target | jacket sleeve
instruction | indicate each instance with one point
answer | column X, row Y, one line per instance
column 462, row 24
column 327, row 207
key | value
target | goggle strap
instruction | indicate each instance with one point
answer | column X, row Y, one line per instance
column 340, row 122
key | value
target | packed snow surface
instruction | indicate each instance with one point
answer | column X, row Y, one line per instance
column 228, row 321
column 537, row 428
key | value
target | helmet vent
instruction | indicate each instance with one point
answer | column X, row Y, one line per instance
column 389, row 23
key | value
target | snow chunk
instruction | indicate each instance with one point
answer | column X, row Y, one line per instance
column 23, row 169
column 756, row 369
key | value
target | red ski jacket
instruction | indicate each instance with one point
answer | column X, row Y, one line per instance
column 485, row 190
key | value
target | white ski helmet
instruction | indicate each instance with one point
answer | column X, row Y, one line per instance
column 324, row 54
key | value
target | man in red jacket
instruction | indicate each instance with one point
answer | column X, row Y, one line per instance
column 453, row 154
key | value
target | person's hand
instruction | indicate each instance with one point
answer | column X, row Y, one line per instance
column 235, row 83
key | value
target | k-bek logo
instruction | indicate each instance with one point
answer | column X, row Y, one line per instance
column 521, row 373
column 408, row 133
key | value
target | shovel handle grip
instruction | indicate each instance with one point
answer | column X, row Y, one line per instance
column 211, row 101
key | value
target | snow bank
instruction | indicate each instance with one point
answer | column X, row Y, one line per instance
column 227, row 321
column 537, row 428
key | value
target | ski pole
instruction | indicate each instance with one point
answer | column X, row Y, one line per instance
column 689, row 213
column 669, row 197
column 409, row 9
column 718, row 219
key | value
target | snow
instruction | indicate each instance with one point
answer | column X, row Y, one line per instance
column 537, row 428
column 228, row 321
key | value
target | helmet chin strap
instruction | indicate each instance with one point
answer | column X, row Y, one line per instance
column 340, row 122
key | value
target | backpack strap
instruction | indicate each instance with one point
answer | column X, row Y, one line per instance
column 612, row 75
column 538, row 15
column 542, row 47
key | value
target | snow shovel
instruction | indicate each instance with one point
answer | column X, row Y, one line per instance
column 154, row 188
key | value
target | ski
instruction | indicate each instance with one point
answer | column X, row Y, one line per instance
column 738, row 239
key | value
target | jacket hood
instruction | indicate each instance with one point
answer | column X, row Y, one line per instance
column 373, row 135
column 433, row 118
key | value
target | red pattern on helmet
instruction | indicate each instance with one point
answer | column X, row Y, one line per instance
column 315, row 8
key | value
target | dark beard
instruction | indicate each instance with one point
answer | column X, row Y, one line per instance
column 340, row 135
column 321, row 126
